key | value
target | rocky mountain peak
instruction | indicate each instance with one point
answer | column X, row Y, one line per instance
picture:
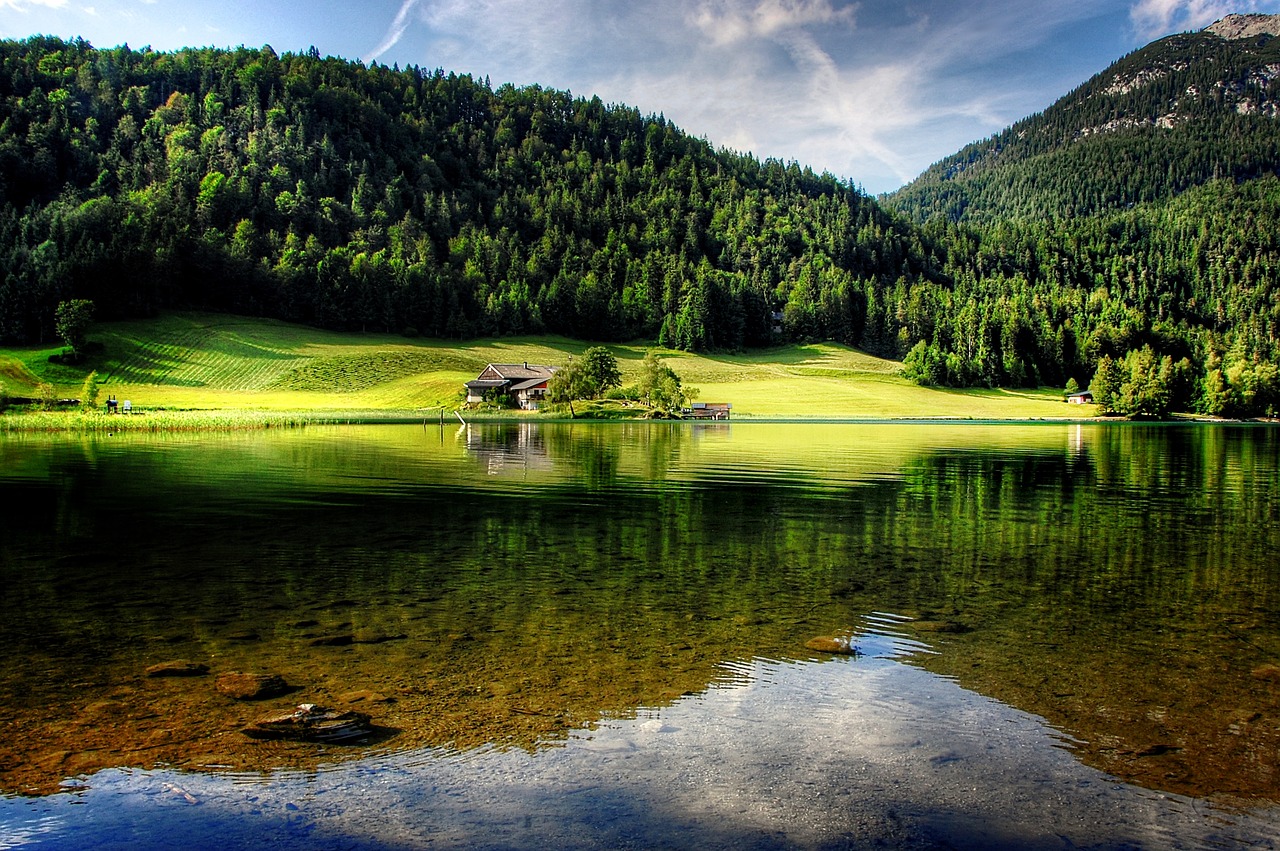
column 1245, row 26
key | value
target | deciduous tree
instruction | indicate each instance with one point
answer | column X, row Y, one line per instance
column 72, row 321
column 659, row 386
column 600, row 372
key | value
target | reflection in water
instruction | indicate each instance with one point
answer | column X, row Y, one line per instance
column 510, row 584
column 850, row 753
column 1138, row 606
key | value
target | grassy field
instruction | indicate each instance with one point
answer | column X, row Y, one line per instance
column 210, row 362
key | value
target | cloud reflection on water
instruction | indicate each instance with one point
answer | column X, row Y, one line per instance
column 800, row 754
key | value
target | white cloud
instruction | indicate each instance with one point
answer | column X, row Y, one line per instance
column 728, row 22
column 23, row 5
column 542, row 41
column 396, row 31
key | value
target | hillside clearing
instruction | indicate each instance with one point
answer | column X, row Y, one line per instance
column 197, row 361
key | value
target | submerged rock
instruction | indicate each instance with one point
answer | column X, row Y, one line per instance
column 311, row 723
column 177, row 668
column 841, row 645
column 369, row 637
column 1267, row 672
column 938, row 626
column 333, row 641
column 251, row 686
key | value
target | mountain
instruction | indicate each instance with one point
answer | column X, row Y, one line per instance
column 1175, row 114
column 1126, row 239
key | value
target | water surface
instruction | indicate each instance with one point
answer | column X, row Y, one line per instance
column 595, row 635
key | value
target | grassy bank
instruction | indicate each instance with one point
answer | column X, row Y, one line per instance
column 196, row 370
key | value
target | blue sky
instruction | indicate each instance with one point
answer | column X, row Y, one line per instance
column 872, row 91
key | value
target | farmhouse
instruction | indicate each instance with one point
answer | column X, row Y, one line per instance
column 525, row 384
column 1082, row 398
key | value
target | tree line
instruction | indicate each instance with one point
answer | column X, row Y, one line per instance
column 1045, row 301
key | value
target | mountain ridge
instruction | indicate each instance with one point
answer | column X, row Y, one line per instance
column 1203, row 103
column 1245, row 26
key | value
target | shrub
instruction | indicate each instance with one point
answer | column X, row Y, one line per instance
column 89, row 392
column 48, row 399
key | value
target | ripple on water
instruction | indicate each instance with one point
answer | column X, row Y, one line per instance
column 882, row 637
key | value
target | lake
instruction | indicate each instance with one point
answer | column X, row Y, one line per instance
column 597, row 635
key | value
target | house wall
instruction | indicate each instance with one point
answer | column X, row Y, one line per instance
column 530, row 398
column 526, row 398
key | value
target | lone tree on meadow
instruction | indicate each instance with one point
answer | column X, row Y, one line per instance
column 601, row 373
column 72, row 320
column 659, row 386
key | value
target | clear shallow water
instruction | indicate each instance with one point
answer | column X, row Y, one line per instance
column 594, row 636
column 849, row 753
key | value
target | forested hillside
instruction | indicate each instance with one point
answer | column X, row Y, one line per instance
column 418, row 202
column 1136, row 221
column 321, row 191
column 1178, row 303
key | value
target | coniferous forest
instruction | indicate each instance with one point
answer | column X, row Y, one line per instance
column 403, row 200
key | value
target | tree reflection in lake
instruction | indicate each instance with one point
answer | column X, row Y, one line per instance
column 506, row 584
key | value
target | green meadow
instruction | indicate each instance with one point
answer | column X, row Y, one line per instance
column 197, row 367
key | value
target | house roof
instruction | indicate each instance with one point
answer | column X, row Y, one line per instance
column 526, row 385
column 486, row 383
column 521, row 371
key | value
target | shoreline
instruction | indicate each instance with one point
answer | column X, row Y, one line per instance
column 248, row 419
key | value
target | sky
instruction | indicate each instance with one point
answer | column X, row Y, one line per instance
column 872, row 91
